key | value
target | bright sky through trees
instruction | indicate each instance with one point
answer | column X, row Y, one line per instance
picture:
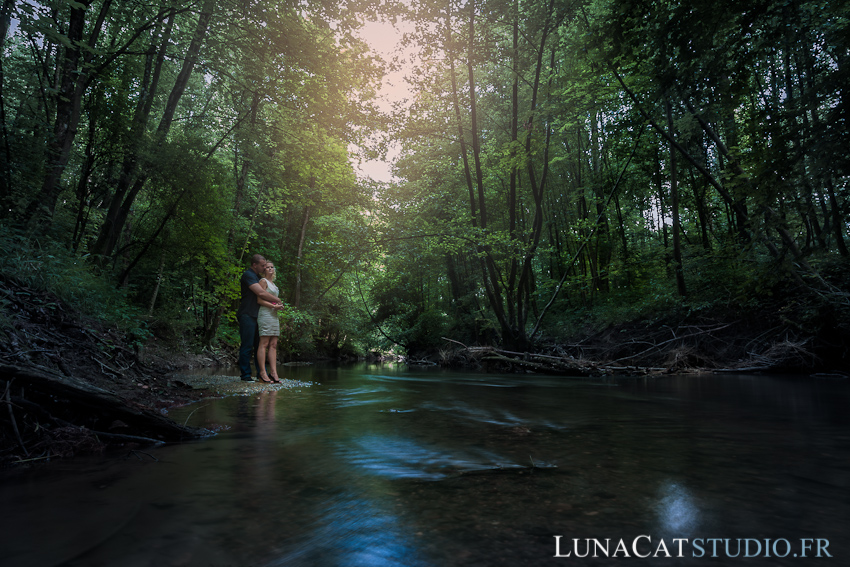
column 385, row 39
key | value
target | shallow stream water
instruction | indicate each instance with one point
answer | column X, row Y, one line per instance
column 390, row 466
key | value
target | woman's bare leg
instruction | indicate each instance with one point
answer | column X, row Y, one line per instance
column 273, row 359
column 261, row 358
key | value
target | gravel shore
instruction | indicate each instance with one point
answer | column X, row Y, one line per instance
column 232, row 385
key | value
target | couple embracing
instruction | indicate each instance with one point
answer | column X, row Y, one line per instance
column 259, row 327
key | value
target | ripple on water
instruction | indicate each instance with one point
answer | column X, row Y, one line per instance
column 352, row 397
column 402, row 458
column 495, row 416
column 441, row 379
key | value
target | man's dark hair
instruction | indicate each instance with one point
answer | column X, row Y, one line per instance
column 257, row 258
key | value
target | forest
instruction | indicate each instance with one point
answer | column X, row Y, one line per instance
column 621, row 171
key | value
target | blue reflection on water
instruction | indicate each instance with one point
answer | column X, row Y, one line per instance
column 677, row 510
column 352, row 531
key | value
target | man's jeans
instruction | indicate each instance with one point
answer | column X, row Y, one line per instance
column 250, row 335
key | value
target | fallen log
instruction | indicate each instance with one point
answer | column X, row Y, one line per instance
column 557, row 367
column 542, row 363
column 72, row 400
column 743, row 370
column 634, row 370
column 551, row 364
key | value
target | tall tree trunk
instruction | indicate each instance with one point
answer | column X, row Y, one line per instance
column 462, row 139
column 83, row 182
column 602, row 250
column 6, row 155
column 662, row 204
column 624, row 241
column 512, row 182
column 797, row 153
column 110, row 229
column 674, row 202
column 72, row 81
column 473, row 116
column 5, row 20
column 300, row 255
column 832, row 216
column 74, row 77
column 537, row 188
column 488, row 267
column 159, row 277
column 456, row 105
column 838, row 223
column 699, row 200
column 119, row 210
column 6, row 161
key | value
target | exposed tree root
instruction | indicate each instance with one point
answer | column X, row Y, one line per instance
column 64, row 416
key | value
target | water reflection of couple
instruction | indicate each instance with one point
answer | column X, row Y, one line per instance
column 259, row 327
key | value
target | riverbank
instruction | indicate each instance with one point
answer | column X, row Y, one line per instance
column 788, row 333
column 228, row 385
column 71, row 384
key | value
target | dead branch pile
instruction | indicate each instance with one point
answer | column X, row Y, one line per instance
column 38, row 330
column 560, row 363
column 566, row 365
column 643, row 348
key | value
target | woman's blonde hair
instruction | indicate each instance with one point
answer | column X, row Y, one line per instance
column 274, row 273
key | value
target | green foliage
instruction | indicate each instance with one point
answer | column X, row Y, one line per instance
column 251, row 155
column 174, row 192
column 297, row 329
column 47, row 267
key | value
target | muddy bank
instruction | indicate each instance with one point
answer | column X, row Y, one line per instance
column 71, row 385
column 778, row 337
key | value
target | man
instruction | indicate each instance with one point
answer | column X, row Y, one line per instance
column 246, row 315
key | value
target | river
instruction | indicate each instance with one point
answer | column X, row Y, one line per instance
column 394, row 466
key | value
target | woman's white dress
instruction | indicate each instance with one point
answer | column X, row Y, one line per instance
column 267, row 319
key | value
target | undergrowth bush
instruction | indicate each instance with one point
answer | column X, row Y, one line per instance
column 297, row 328
column 46, row 266
column 722, row 283
column 616, row 307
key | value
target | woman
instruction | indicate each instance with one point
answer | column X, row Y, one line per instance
column 269, row 326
